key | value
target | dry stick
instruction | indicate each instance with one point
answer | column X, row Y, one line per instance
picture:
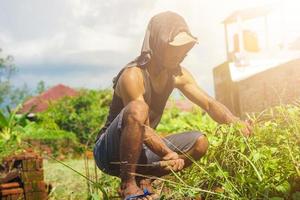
column 154, row 164
column 96, row 175
column 95, row 166
column 161, row 189
column 87, row 173
column 86, row 166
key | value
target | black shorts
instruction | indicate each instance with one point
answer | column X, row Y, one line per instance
column 107, row 148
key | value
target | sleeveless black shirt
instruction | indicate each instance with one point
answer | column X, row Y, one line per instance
column 155, row 101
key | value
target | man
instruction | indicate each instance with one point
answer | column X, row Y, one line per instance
column 141, row 89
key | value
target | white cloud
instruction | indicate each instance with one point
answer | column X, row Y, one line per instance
column 76, row 80
column 87, row 36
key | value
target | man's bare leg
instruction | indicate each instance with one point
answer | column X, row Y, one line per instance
column 135, row 115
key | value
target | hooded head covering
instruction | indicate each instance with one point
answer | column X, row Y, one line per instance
column 160, row 32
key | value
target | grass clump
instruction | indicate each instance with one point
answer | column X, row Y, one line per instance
column 263, row 166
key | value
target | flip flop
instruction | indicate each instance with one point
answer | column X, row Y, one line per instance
column 132, row 197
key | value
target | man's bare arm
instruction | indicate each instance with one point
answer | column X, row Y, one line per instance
column 188, row 86
column 151, row 138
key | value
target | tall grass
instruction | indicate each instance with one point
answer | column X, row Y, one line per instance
column 264, row 166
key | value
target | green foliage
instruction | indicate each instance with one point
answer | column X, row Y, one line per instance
column 10, row 95
column 83, row 115
column 17, row 132
column 264, row 166
column 11, row 126
column 18, row 95
column 40, row 87
column 61, row 127
column 36, row 132
column 11, row 129
column 59, row 141
column 175, row 120
column 6, row 70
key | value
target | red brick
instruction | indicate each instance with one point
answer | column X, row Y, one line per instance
column 36, row 196
column 31, row 176
column 16, row 197
column 11, row 191
column 39, row 186
column 32, row 164
column 9, row 185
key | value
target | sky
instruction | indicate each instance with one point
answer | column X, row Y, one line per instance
column 84, row 43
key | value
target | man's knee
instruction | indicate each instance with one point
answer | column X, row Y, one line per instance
column 200, row 147
column 136, row 112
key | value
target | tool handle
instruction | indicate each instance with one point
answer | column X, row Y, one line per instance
column 156, row 164
column 162, row 163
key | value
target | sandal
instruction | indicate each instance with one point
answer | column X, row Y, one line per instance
column 132, row 197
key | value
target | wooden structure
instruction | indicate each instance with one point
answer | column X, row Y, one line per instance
column 23, row 178
column 241, row 40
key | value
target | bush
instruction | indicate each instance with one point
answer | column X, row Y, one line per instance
column 83, row 115
column 52, row 140
column 11, row 128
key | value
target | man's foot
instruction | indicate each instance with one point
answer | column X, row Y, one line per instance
column 128, row 190
column 146, row 184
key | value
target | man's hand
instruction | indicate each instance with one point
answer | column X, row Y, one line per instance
column 173, row 162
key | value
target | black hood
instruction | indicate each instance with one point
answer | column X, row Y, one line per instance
column 161, row 30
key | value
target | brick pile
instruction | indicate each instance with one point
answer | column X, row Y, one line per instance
column 24, row 178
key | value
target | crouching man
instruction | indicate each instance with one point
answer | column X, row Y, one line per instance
column 127, row 145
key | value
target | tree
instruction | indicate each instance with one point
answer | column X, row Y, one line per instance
column 40, row 87
column 10, row 95
column 18, row 95
column 7, row 69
